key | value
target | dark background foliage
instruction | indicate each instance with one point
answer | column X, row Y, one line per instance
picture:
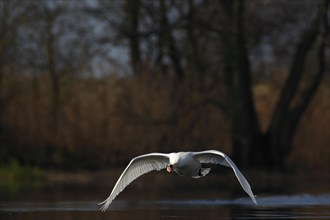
column 90, row 84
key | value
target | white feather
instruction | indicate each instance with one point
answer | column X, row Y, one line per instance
column 137, row 167
column 184, row 163
column 217, row 157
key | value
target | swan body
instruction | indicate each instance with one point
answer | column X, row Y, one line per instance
column 183, row 163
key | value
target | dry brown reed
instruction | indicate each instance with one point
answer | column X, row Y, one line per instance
column 102, row 122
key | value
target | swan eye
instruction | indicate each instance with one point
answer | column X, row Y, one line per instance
column 169, row 168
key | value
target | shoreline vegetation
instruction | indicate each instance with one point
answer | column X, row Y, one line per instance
column 91, row 86
column 102, row 123
column 91, row 147
column 17, row 180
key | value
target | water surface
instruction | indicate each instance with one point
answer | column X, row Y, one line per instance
column 157, row 199
column 274, row 207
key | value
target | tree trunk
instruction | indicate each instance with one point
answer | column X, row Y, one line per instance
column 287, row 114
column 251, row 147
column 193, row 40
column 133, row 8
column 244, row 122
column 173, row 51
column 51, row 68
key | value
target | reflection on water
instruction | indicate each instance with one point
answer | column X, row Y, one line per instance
column 169, row 198
column 274, row 207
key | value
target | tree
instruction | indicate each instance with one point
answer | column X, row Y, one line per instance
column 251, row 146
column 182, row 36
column 288, row 110
column 132, row 9
column 244, row 122
column 173, row 52
column 10, row 17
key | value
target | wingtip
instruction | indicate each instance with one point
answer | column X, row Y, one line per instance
column 254, row 200
column 104, row 205
column 103, row 208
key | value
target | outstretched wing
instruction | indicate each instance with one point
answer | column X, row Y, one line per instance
column 217, row 157
column 137, row 167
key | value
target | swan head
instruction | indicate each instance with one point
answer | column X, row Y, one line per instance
column 169, row 168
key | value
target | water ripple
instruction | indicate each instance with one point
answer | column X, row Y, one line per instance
column 264, row 202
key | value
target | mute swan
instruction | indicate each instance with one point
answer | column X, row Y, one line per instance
column 183, row 163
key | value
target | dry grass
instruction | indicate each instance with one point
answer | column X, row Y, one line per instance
column 99, row 120
column 311, row 145
column 312, row 142
column 107, row 121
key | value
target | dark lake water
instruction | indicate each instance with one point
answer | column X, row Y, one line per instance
column 276, row 207
column 154, row 199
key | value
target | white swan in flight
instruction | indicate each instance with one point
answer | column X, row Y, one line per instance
column 183, row 163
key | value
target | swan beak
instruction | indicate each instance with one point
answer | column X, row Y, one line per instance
column 169, row 168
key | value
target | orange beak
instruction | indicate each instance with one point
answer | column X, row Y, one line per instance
column 169, row 168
